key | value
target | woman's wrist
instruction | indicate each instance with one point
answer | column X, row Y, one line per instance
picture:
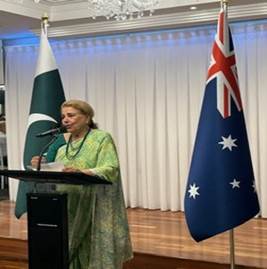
column 87, row 172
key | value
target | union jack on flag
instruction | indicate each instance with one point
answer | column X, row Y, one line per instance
column 223, row 67
column 220, row 192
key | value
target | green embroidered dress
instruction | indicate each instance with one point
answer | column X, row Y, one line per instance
column 98, row 227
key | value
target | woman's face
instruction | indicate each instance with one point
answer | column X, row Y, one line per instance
column 74, row 120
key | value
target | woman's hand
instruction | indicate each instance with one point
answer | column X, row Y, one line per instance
column 35, row 161
column 71, row 169
column 76, row 170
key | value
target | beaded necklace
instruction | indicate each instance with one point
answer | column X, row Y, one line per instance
column 78, row 148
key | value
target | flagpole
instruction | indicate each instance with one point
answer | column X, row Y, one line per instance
column 44, row 25
column 224, row 5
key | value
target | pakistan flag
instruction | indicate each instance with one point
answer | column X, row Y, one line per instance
column 47, row 97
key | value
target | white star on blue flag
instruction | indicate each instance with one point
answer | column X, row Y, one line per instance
column 228, row 142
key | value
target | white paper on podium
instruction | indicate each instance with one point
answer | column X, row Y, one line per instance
column 52, row 166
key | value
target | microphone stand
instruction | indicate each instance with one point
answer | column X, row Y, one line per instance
column 38, row 168
column 43, row 151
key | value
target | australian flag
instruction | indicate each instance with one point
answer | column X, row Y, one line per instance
column 220, row 193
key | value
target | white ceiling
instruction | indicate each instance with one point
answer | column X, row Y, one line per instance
column 70, row 17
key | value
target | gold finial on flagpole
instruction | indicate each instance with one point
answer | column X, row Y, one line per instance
column 224, row 3
column 45, row 18
column 45, row 22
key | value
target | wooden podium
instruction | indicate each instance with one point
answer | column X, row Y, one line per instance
column 48, row 217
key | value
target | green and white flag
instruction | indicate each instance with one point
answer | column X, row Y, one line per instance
column 47, row 97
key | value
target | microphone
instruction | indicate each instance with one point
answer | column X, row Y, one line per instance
column 58, row 130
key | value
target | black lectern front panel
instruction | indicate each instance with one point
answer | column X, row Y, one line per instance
column 47, row 231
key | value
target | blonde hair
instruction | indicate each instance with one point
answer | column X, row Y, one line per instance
column 84, row 108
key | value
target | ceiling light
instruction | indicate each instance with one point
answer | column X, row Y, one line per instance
column 193, row 8
column 121, row 9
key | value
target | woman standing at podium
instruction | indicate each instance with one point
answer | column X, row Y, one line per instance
column 98, row 227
